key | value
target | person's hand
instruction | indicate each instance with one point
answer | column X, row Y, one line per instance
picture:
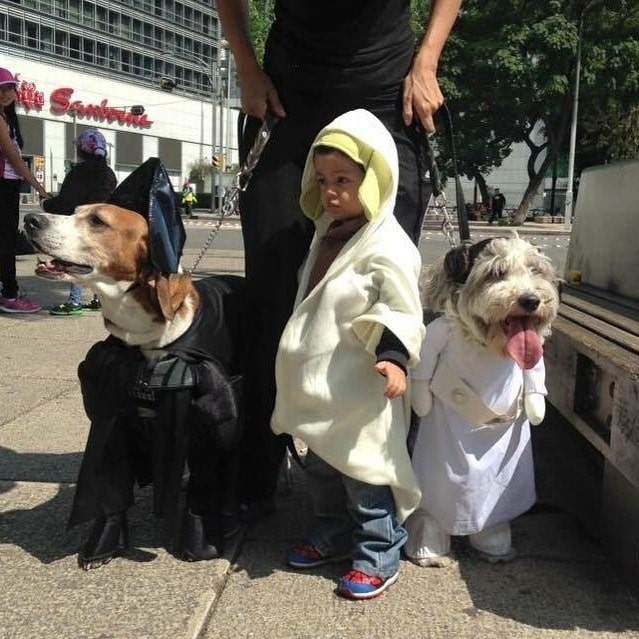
column 259, row 94
column 43, row 194
column 422, row 96
column 395, row 379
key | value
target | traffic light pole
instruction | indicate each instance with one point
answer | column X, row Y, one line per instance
column 214, row 169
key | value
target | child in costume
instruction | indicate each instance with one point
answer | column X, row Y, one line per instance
column 343, row 356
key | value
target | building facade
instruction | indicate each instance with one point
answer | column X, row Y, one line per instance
column 100, row 63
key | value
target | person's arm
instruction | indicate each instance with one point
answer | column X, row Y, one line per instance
column 392, row 360
column 422, row 95
column 16, row 161
column 71, row 194
column 258, row 92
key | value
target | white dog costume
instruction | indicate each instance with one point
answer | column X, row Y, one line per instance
column 479, row 382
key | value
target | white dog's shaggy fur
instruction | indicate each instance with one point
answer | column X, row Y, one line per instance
column 480, row 286
column 480, row 382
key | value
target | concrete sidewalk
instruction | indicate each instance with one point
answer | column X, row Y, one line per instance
column 561, row 585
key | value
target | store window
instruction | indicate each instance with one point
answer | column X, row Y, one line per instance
column 74, row 10
column 61, row 43
column 88, row 49
column 88, row 14
column 32, row 133
column 32, row 33
column 129, row 148
column 74, row 47
column 170, row 152
column 46, row 39
column 15, row 31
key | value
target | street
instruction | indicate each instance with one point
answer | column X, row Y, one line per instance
column 433, row 243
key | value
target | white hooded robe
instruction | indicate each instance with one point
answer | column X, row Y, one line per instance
column 328, row 392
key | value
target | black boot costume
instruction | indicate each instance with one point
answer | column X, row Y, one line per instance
column 150, row 422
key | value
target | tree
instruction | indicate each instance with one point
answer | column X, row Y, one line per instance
column 509, row 68
column 261, row 16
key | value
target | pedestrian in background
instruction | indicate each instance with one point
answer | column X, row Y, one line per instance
column 322, row 59
column 12, row 171
column 188, row 200
column 89, row 181
column 497, row 208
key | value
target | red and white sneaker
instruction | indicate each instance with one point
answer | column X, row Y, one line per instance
column 18, row 305
column 356, row 584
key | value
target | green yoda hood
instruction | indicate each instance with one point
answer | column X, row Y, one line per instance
column 364, row 139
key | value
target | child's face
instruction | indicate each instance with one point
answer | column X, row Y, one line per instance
column 339, row 179
column 7, row 94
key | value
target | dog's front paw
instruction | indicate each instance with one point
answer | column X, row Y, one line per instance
column 421, row 397
column 535, row 406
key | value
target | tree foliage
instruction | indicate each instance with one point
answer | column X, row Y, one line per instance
column 508, row 73
column 510, row 64
column 261, row 16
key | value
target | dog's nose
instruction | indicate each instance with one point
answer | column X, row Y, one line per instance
column 34, row 221
column 529, row 302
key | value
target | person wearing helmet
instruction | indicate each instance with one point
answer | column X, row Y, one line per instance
column 91, row 180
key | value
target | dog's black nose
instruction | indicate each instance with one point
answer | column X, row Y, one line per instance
column 528, row 301
column 34, row 221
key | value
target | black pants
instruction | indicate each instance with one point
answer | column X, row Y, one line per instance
column 9, row 219
column 495, row 214
column 276, row 238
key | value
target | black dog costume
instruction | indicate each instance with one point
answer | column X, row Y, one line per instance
column 150, row 421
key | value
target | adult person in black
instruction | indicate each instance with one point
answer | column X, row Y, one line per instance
column 321, row 59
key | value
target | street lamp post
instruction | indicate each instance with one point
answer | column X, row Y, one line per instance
column 211, row 75
column 568, row 206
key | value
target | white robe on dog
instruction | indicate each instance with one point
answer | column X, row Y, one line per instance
column 328, row 392
column 472, row 477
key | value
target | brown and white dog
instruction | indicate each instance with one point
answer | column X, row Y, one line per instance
column 153, row 318
column 105, row 247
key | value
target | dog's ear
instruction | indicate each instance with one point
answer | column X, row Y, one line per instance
column 459, row 261
column 171, row 290
column 456, row 264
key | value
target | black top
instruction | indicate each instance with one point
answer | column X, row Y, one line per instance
column 86, row 183
column 364, row 46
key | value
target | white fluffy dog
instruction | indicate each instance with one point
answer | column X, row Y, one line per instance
column 478, row 385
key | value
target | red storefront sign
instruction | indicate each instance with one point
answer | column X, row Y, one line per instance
column 61, row 103
column 29, row 96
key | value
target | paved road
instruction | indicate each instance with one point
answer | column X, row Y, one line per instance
column 432, row 245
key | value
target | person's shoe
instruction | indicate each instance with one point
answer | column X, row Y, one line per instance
column 306, row 555
column 68, row 308
column 18, row 305
column 93, row 305
column 108, row 538
column 356, row 584
column 194, row 217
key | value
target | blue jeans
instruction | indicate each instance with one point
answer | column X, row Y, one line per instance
column 75, row 294
column 353, row 517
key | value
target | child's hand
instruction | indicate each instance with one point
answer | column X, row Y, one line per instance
column 395, row 379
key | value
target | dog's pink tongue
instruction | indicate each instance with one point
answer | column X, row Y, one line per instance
column 522, row 342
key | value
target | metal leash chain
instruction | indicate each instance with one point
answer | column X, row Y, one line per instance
column 231, row 198
column 447, row 226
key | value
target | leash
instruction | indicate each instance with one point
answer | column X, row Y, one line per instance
column 231, row 199
column 440, row 201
